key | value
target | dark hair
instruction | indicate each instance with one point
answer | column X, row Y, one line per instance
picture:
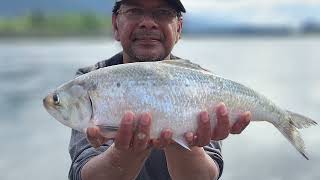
column 117, row 5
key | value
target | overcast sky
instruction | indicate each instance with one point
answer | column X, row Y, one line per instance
column 258, row 11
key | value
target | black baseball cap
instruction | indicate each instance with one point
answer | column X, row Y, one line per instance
column 175, row 3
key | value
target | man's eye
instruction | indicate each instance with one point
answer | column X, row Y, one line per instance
column 134, row 11
column 165, row 13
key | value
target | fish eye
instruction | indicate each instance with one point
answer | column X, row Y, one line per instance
column 56, row 99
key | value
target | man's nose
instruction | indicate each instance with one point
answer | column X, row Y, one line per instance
column 148, row 22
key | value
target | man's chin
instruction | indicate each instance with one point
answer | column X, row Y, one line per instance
column 148, row 56
column 145, row 58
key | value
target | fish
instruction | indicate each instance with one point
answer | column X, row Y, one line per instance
column 174, row 92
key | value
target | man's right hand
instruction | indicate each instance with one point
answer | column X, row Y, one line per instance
column 125, row 158
column 127, row 138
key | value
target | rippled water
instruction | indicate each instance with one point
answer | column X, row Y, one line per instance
column 34, row 146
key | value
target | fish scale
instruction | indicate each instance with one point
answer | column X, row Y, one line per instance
column 173, row 91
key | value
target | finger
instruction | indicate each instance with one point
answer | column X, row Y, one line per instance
column 203, row 133
column 189, row 136
column 222, row 129
column 242, row 123
column 141, row 137
column 165, row 138
column 125, row 132
column 91, row 136
column 94, row 137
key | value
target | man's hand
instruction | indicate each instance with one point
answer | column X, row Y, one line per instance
column 197, row 164
column 125, row 158
column 222, row 129
column 128, row 137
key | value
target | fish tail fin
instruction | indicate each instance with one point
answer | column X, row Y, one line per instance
column 300, row 121
column 289, row 128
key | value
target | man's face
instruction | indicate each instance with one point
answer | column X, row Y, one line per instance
column 150, row 37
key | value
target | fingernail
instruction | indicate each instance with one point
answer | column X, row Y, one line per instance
column 204, row 117
column 128, row 121
column 189, row 136
column 167, row 134
column 128, row 118
column 145, row 120
column 223, row 110
column 248, row 115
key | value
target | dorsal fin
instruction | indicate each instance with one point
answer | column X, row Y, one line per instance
column 184, row 63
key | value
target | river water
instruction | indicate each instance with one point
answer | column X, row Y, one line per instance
column 287, row 70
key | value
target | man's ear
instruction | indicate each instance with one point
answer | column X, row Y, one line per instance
column 179, row 29
column 115, row 28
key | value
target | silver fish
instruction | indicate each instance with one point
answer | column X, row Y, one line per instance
column 173, row 91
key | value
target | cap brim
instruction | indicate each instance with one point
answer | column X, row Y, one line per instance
column 178, row 5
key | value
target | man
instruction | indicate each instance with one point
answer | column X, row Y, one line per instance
column 148, row 31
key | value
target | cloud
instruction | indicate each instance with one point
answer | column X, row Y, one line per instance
column 244, row 3
column 258, row 11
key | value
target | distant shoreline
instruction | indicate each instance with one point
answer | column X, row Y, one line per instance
column 109, row 38
column 37, row 24
column 108, row 33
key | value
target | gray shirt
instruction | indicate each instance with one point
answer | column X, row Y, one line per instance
column 155, row 167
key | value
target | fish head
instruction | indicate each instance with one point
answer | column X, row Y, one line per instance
column 71, row 105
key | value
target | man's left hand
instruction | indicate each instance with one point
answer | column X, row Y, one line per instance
column 222, row 129
column 205, row 133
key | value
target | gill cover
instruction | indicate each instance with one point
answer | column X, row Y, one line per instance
column 81, row 108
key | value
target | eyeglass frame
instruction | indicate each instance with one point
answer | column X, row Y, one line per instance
column 149, row 13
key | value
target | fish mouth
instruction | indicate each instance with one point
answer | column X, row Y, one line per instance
column 53, row 110
column 48, row 102
column 49, row 105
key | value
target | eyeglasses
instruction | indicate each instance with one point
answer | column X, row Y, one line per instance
column 159, row 15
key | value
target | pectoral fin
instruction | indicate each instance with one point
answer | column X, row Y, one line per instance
column 182, row 142
column 108, row 131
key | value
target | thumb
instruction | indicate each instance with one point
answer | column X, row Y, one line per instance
column 94, row 137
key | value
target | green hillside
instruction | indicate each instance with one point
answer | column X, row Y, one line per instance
column 40, row 24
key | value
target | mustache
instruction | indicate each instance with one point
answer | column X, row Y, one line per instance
column 147, row 35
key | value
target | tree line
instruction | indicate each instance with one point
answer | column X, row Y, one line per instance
column 38, row 23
